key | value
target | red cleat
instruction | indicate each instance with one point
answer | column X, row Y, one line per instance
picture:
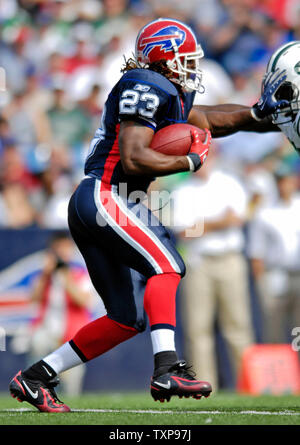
column 178, row 381
column 37, row 393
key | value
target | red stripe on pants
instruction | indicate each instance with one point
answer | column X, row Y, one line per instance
column 126, row 223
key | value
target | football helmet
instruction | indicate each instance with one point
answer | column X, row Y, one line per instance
column 287, row 58
column 176, row 43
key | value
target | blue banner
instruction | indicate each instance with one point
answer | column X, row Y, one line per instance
column 21, row 258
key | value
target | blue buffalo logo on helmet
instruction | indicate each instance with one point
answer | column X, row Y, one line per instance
column 163, row 38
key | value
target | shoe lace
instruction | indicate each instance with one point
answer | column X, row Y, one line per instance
column 182, row 370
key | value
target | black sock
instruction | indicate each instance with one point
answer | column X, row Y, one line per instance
column 163, row 361
column 41, row 371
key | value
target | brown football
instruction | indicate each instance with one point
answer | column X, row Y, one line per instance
column 175, row 139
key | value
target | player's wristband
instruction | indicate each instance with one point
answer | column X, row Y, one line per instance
column 194, row 161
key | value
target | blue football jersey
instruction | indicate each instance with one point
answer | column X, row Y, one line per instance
column 143, row 96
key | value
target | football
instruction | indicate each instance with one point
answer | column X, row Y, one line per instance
column 175, row 139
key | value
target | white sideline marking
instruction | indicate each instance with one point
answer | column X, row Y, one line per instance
column 151, row 411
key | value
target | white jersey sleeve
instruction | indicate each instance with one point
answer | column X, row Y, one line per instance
column 292, row 131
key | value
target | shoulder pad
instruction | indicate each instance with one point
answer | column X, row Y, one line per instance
column 151, row 78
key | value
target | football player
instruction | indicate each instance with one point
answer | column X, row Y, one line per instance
column 130, row 256
column 287, row 119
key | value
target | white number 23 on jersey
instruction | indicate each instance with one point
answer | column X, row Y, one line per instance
column 130, row 103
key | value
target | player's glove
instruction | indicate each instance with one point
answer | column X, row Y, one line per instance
column 267, row 103
column 199, row 150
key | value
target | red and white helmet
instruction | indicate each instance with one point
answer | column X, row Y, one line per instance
column 175, row 42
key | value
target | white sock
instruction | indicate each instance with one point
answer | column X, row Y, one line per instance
column 163, row 340
column 63, row 358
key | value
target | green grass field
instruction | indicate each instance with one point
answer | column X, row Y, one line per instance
column 140, row 409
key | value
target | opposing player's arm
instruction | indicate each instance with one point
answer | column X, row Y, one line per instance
column 226, row 119
column 138, row 159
